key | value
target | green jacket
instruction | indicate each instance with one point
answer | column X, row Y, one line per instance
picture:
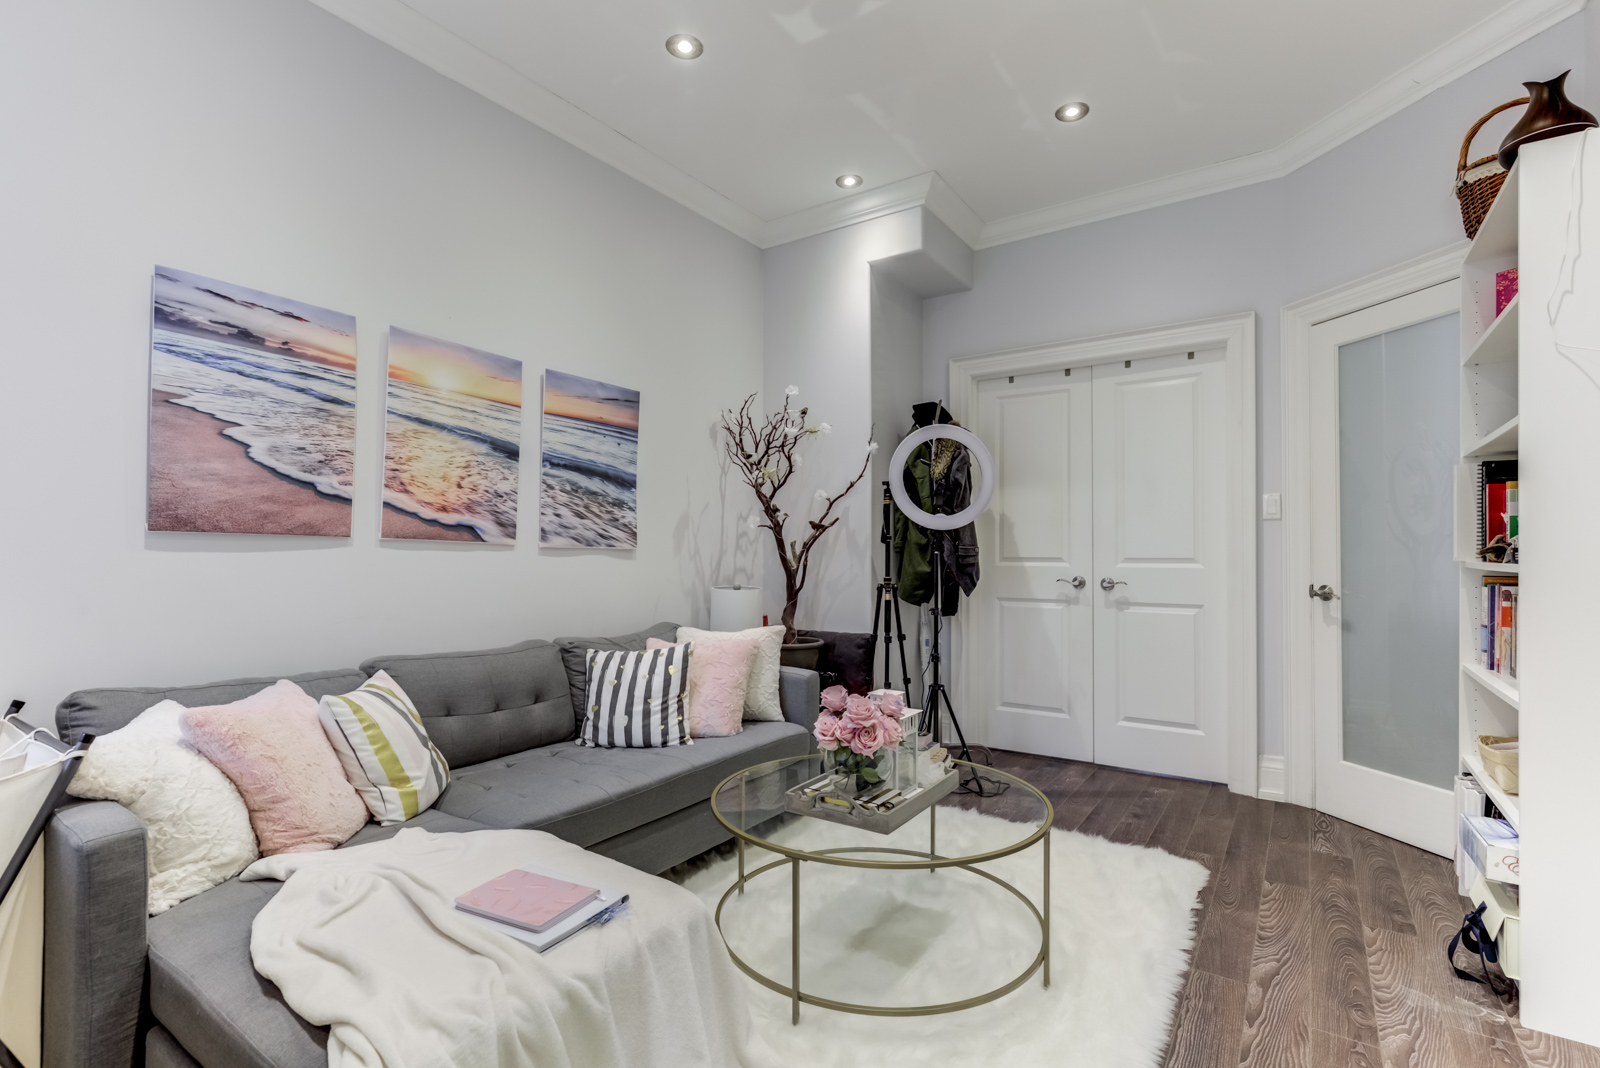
column 913, row 545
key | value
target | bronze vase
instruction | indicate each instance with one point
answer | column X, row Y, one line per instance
column 1549, row 114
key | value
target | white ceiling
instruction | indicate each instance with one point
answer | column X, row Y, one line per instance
column 1186, row 97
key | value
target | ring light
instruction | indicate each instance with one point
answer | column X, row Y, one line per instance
column 897, row 466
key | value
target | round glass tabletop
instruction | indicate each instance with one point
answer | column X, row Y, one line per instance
column 755, row 803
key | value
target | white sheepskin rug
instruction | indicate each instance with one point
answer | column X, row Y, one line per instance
column 1122, row 926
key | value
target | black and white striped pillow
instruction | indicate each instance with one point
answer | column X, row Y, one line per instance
column 636, row 700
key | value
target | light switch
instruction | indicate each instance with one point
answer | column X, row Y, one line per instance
column 1271, row 506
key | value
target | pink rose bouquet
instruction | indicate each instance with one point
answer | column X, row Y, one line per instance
column 857, row 729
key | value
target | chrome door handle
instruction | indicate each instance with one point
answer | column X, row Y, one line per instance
column 1077, row 582
column 1108, row 584
column 1324, row 593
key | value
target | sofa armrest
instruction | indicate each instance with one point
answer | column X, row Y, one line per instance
column 800, row 694
column 96, row 895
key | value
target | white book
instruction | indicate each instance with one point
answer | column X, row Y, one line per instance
column 1470, row 798
column 1494, row 846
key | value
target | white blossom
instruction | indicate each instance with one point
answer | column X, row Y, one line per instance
column 826, row 428
column 872, row 447
column 822, row 495
column 798, row 461
column 789, row 391
column 753, row 522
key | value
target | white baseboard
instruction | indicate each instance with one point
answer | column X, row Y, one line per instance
column 1270, row 778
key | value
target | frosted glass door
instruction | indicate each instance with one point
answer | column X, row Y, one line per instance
column 1398, row 440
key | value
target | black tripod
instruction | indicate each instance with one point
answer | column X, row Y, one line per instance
column 887, row 614
column 887, row 611
column 971, row 782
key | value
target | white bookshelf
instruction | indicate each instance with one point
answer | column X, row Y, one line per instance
column 1521, row 397
column 1491, row 423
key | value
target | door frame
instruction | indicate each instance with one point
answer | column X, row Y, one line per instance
column 1236, row 336
column 1295, row 322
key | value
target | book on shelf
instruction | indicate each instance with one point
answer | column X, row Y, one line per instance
column 1497, row 502
column 1505, row 290
column 1497, row 624
column 1494, row 847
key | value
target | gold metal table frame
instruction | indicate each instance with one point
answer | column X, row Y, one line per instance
column 842, row 856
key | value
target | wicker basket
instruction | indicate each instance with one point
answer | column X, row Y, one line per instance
column 1477, row 184
column 1500, row 765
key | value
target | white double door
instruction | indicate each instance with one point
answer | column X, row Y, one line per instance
column 1101, row 618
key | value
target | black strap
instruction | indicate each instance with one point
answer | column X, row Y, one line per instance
column 1475, row 936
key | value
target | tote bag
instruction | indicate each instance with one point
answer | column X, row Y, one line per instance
column 30, row 771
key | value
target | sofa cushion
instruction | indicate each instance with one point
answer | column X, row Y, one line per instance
column 205, row 990
column 103, row 711
column 587, row 795
column 572, row 656
column 487, row 703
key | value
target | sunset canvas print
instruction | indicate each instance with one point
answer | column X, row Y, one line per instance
column 252, row 411
column 452, row 442
column 590, row 464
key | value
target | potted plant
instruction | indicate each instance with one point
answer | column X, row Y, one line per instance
column 767, row 456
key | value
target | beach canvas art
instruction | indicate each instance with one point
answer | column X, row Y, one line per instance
column 590, row 464
column 452, row 442
column 252, row 411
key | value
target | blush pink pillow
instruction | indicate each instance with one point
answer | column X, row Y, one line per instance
column 719, row 672
column 271, row 746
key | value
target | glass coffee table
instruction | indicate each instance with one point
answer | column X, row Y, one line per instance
column 753, row 804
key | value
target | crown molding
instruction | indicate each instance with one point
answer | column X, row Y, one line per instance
column 922, row 190
column 847, row 211
column 408, row 31
column 1499, row 33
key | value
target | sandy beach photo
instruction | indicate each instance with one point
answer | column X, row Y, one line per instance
column 252, row 411
column 589, row 464
column 452, row 442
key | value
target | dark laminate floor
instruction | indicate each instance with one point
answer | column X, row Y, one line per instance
column 1320, row 943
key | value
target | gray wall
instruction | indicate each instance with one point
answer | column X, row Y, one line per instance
column 1377, row 200
column 275, row 146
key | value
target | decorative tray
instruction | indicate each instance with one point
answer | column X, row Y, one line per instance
column 837, row 804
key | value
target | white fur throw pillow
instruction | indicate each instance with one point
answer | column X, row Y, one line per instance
column 761, row 696
column 196, row 826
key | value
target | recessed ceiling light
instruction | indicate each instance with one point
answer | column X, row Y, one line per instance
column 684, row 47
column 1072, row 112
column 847, row 181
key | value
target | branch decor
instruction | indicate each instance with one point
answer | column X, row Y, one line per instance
column 767, row 456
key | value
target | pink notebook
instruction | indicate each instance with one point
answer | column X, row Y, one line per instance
column 523, row 899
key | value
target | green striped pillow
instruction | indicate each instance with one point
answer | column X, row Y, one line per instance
column 385, row 749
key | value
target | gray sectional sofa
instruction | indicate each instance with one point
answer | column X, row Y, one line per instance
column 178, row 989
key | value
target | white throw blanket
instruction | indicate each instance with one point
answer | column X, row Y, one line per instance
column 368, row 942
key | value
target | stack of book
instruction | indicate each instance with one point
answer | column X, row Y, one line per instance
column 1497, row 624
column 1498, row 525
column 540, row 908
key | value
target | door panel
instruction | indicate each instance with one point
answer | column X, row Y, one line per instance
column 1161, row 685
column 1035, row 680
column 1156, row 484
column 1168, row 635
column 1036, row 521
column 1384, row 383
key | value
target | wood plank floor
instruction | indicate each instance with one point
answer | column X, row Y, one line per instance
column 1320, row 944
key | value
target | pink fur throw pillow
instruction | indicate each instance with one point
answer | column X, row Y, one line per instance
column 719, row 672
column 271, row 746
